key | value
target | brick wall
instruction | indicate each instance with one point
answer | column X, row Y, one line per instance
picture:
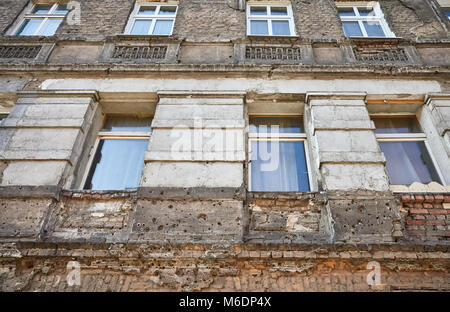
column 216, row 20
column 209, row 20
column 427, row 216
column 214, row 268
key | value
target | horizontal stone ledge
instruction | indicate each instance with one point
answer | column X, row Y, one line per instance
column 206, row 123
column 351, row 157
column 222, row 156
column 24, row 191
column 359, row 195
column 345, row 125
column 201, row 100
column 192, row 193
column 55, row 155
column 59, row 93
column 334, row 95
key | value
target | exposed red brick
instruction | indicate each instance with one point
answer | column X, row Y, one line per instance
column 438, row 211
column 423, row 211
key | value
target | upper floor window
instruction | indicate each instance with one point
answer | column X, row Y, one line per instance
column 447, row 12
column 278, row 162
column 152, row 20
column 270, row 20
column 364, row 21
column 406, row 150
column 2, row 116
column 42, row 20
column 119, row 158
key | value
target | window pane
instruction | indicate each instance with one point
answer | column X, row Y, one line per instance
column 258, row 10
column 167, row 10
column 50, row 27
column 346, row 12
column 141, row 27
column 127, row 124
column 366, row 12
column 279, row 167
column 259, row 28
column 396, row 125
column 285, row 124
column 351, row 29
column 29, row 27
column 61, row 9
column 117, row 165
column 373, row 29
column 41, row 9
column 278, row 11
column 147, row 10
column 447, row 13
column 162, row 27
column 280, row 28
column 408, row 162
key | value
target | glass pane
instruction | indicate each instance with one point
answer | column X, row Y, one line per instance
column 280, row 28
column 163, row 27
column 278, row 11
column 346, row 12
column 396, row 125
column 259, row 28
column 29, row 27
column 366, row 12
column 373, row 29
column 351, row 29
column 41, row 9
column 258, row 10
column 147, row 10
column 285, row 124
column 408, row 162
column 50, row 27
column 447, row 13
column 279, row 167
column 117, row 165
column 127, row 124
column 167, row 10
column 141, row 27
column 61, row 9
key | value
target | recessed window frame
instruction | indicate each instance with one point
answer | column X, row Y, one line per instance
column 111, row 135
column 408, row 137
column 378, row 17
column 269, row 18
column 135, row 16
column 278, row 137
column 44, row 17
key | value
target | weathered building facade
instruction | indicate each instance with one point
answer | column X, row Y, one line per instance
column 129, row 132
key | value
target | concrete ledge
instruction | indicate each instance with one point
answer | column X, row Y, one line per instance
column 212, row 193
column 52, row 191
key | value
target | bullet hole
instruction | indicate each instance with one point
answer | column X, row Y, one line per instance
column 154, row 220
column 160, row 228
column 170, row 206
column 202, row 216
column 361, row 208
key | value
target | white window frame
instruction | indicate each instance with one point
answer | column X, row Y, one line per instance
column 408, row 137
column 135, row 17
column 277, row 137
column 378, row 17
column 43, row 17
column 269, row 18
column 110, row 135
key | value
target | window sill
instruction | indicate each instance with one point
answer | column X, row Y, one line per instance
column 94, row 194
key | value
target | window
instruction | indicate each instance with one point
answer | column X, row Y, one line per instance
column 278, row 162
column 447, row 12
column 365, row 21
column 267, row 20
column 42, row 20
column 405, row 148
column 2, row 116
column 119, row 158
column 152, row 20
